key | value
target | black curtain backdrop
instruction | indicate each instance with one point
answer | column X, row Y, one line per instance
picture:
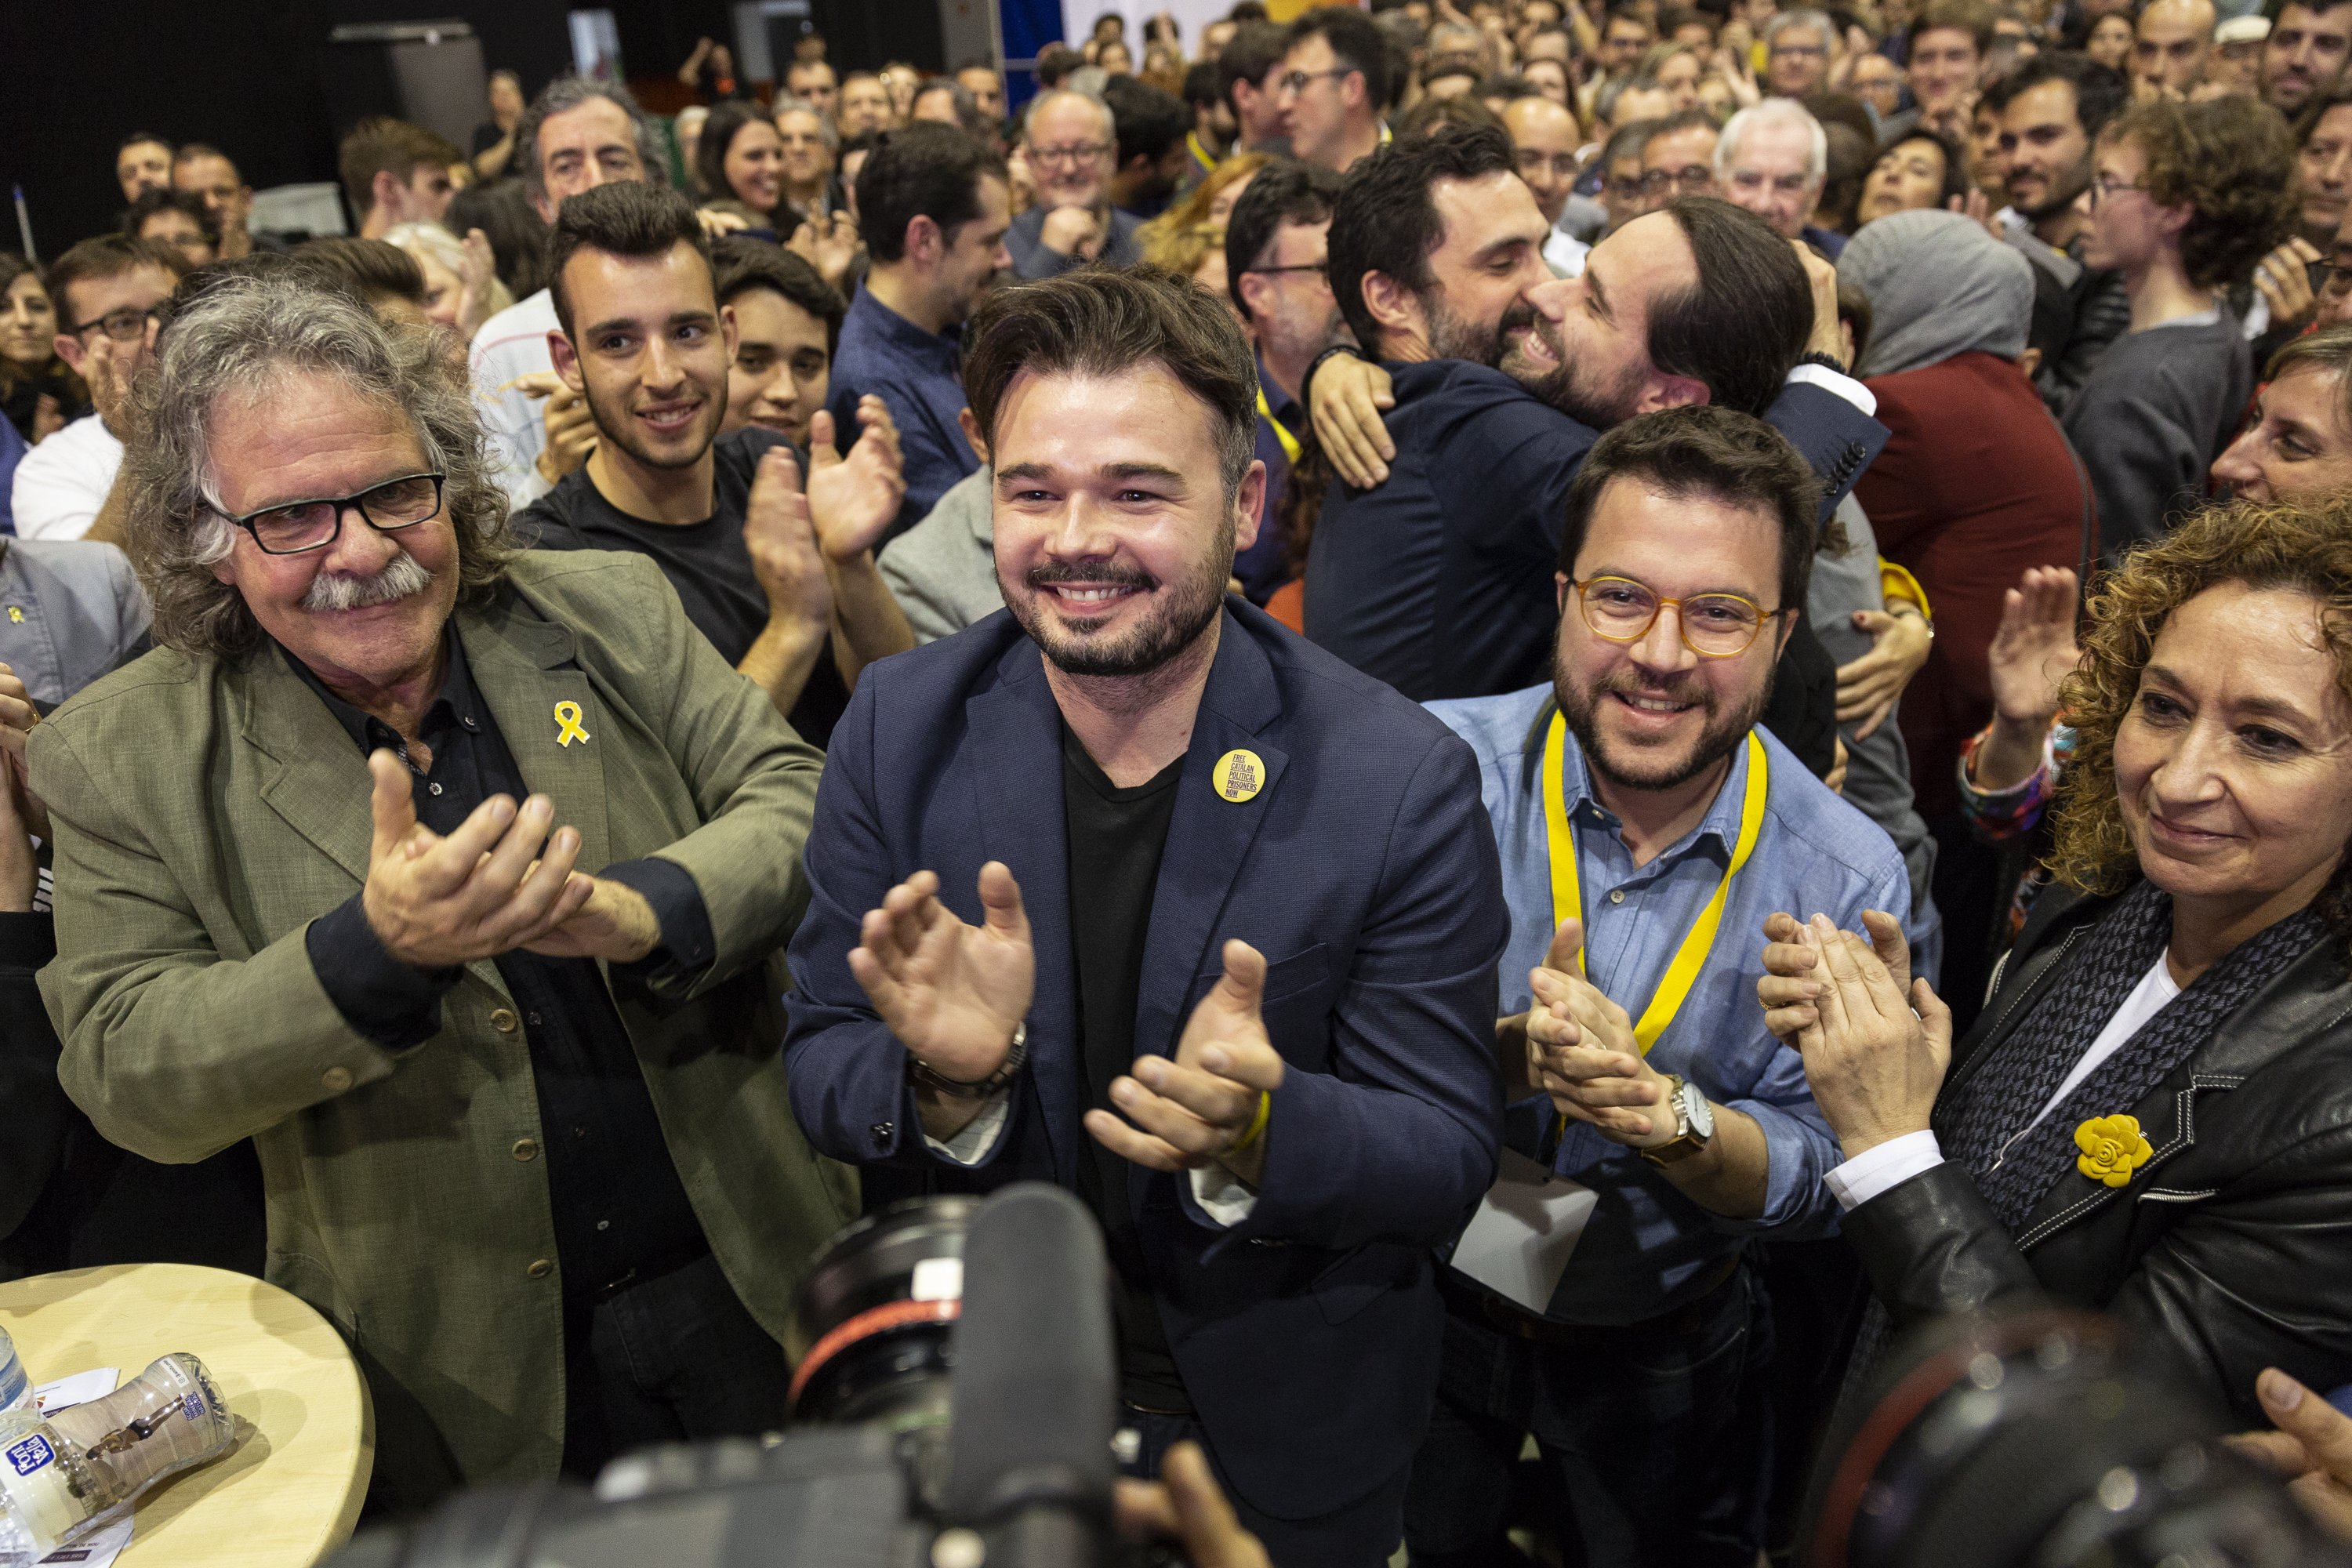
column 244, row 75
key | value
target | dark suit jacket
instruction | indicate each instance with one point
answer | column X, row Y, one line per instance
column 1364, row 870
column 1439, row 581
column 2230, row 1250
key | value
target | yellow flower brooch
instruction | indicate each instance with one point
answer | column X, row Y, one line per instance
column 2112, row 1148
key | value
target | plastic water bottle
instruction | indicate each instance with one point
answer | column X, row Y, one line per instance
column 15, row 1386
column 65, row 1475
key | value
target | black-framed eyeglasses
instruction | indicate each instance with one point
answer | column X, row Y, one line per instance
column 1296, row 81
column 1713, row 626
column 2108, row 189
column 1317, row 267
column 122, row 325
column 1690, row 180
column 293, row 528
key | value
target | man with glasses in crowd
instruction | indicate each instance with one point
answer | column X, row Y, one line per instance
column 1629, row 791
column 456, row 875
column 1334, row 86
column 1678, row 159
column 1073, row 144
column 109, row 293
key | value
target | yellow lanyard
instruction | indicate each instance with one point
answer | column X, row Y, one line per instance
column 1289, row 442
column 1567, row 897
column 1200, row 153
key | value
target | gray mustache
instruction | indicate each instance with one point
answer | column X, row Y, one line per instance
column 401, row 577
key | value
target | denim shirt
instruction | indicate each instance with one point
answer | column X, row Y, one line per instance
column 1648, row 1249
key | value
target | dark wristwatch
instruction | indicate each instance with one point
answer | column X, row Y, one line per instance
column 1827, row 362
column 1306, row 382
column 923, row 1076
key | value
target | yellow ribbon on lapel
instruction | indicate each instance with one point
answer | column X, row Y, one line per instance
column 567, row 719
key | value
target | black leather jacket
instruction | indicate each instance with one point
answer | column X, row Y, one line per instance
column 2231, row 1248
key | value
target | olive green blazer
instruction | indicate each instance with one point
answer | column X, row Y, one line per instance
column 206, row 810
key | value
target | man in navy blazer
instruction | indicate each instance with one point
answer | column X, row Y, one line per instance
column 1129, row 889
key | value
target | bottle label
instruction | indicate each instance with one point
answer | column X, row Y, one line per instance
column 31, row 1454
column 41, row 1491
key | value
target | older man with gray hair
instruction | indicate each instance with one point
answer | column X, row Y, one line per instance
column 1773, row 159
column 1072, row 143
column 457, row 878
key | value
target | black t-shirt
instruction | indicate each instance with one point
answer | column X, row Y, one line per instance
column 705, row 562
column 1116, row 836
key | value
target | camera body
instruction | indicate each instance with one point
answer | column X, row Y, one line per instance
column 935, row 1424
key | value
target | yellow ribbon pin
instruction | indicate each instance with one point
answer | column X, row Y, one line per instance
column 1239, row 775
column 567, row 716
column 2112, row 1148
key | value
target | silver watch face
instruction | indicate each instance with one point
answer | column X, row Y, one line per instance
column 1697, row 1111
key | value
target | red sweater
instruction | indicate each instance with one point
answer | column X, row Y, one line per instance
column 1976, row 484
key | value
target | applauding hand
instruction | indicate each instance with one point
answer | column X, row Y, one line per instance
column 1875, row 1041
column 1204, row 1106
column 852, row 500
column 502, row 880
column 952, row 994
column 1582, row 1052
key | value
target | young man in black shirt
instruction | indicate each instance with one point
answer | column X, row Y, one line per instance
column 779, row 575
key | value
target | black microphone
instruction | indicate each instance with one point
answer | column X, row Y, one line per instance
column 1036, row 1392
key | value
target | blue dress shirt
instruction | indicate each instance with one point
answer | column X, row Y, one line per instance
column 1648, row 1249
column 918, row 374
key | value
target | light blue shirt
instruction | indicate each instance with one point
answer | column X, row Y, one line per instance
column 1648, row 1249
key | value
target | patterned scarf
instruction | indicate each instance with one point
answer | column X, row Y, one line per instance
column 2011, row 1086
column 2015, row 1169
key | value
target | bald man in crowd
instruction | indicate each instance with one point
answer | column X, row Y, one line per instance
column 2172, row 47
column 1546, row 136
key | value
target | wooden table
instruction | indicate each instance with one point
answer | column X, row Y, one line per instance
column 289, row 1492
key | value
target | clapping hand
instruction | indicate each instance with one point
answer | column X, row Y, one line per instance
column 780, row 537
column 17, row 717
column 1200, row 1108
column 852, row 499
column 1581, row 1051
column 952, row 994
column 1875, row 1040
column 501, row 880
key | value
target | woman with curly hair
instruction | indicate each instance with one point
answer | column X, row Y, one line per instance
column 2154, row 1115
column 2185, row 199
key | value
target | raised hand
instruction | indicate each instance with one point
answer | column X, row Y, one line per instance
column 570, row 424
column 500, row 881
column 783, row 541
column 476, row 280
column 1197, row 1110
column 1876, row 1051
column 2033, row 651
column 952, row 994
column 827, row 244
column 2285, row 278
column 1346, row 402
column 852, row 499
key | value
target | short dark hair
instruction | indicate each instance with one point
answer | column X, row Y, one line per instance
column 1105, row 321
column 1053, row 67
column 1968, row 17
column 106, row 256
column 1447, row 117
column 742, row 264
column 2100, row 93
column 1356, row 39
column 622, row 217
column 135, row 138
column 150, row 203
column 1285, row 192
column 383, row 145
column 374, row 267
column 726, row 122
column 1255, row 50
column 1706, row 450
column 923, row 170
column 189, row 152
column 1386, row 220
column 1148, row 121
column 1629, row 140
column 1202, row 87
column 1742, row 327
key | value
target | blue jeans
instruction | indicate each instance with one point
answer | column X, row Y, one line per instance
column 1655, row 1438
column 1360, row 1535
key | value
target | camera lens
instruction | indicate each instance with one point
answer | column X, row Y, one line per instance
column 872, row 1328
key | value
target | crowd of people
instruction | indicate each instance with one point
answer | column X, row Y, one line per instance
column 1734, row 622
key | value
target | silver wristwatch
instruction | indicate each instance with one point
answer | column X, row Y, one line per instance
column 1694, row 1125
